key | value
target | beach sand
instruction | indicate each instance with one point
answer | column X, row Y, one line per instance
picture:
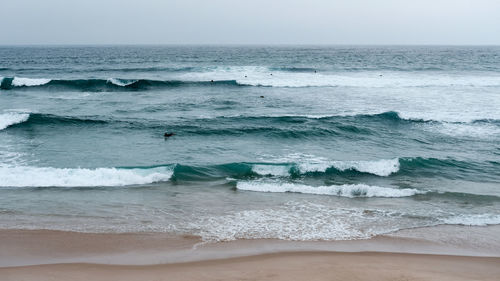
column 281, row 266
column 56, row 255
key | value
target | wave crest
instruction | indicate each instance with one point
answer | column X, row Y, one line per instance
column 121, row 82
column 12, row 118
column 28, row 82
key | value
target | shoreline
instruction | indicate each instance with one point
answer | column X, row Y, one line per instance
column 61, row 255
column 32, row 247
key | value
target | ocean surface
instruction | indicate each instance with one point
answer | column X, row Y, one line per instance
column 296, row 143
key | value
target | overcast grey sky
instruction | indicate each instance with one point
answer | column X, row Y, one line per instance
column 250, row 22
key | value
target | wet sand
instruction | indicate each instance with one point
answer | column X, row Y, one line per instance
column 57, row 255
column 281, row 266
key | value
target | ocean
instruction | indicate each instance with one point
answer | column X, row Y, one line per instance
column 288, row 142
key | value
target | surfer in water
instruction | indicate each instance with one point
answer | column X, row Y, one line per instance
column 167, row 135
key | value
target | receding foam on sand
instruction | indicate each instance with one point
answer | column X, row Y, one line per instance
column 55, row 255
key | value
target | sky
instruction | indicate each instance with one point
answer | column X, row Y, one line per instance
column 441, row 22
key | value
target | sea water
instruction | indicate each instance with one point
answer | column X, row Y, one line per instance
column 297, row 143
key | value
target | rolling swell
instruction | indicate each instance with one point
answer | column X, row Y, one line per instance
column 103, row 85
column 286, row 126
column 49, row 119
column 275, row 127
column 388, row 117
column 447, row 168
column 379, row 168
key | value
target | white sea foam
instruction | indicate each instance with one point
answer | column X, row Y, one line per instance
column 277, row 224
column 11, row 118
column 294, row 220
column 297, row 220
column 19, row 81
column 121, row 82
column 261, row 76
column 309, row 163
column 472, row 130
column 473, row 220
column 345, row 190
column 272, row 170
column 383, row 167
column 26, row 176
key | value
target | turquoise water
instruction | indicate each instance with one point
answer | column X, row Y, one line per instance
column 303, row 143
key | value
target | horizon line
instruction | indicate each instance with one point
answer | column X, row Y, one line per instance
column 243, row 44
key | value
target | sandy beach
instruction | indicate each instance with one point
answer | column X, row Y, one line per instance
column 57, row 255
column 282, row 266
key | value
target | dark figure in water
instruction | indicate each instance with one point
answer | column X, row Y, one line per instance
column 261, row 97
column 167, row 135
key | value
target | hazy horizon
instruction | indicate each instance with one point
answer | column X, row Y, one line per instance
column 238, row 45
column 224, row 22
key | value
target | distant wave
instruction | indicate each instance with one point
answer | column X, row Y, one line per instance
column 345, row 190
column 102, row 69
column 141, row 69
column 111, row 84
column 300, row 77
column 26, row 176
column 288, row 77
column 294, row 69
column 12, row 118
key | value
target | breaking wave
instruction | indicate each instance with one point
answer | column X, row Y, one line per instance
column 383, row 168
column 12, row 118
column 291, row 77
column 98, row 85
column 27, row 176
